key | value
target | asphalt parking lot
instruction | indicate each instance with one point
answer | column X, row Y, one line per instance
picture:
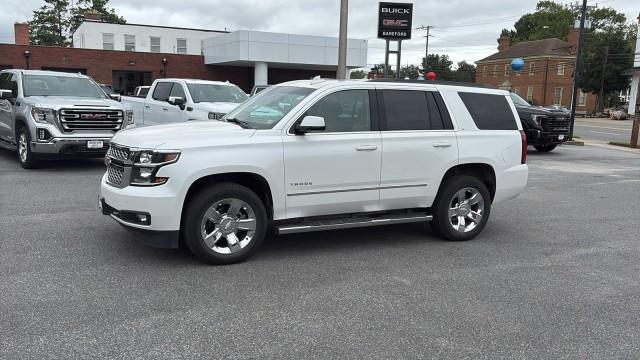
column 554, row 275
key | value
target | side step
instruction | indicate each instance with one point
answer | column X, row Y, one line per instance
column 351, row 222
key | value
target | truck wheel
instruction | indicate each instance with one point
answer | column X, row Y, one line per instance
column 545, row 148
column 25, row 156
column 225, row 224
column 461, row 208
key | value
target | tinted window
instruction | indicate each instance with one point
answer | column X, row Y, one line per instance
column 4, row 81
column 162, row 91
column 178, row 91
column 489, row 112
column 216, row 93
column 344, row 111
column 405, row 110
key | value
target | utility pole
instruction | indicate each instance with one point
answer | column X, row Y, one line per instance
column 604, row 70
column 342, row 41
column 426, row 48
column 578, row 68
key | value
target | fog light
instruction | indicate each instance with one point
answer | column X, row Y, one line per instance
column 44, row 135
column 143, row 218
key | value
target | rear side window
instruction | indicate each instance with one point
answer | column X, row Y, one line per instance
column 162, row 91
column 489, row 112
column 414, row 110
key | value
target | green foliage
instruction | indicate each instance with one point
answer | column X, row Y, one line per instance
column 411, row 71
column 358, row 74
column 54, row 22
column 441, row 65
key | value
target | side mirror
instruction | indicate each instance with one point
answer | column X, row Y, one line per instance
column 310, row 124
column 177, row 101
column 116, row 97
column 6, row 94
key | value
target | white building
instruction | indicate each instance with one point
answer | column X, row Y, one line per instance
column 143, row 38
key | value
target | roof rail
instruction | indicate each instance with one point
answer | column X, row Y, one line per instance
column 435, row 82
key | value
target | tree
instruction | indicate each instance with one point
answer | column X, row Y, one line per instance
column 410, row 71
column 441, row 65
column 358, row 74
column 49, row 23
column 465, row 72
column 54, row 22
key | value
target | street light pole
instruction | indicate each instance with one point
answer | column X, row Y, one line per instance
column 342, row 41
column 578, row 68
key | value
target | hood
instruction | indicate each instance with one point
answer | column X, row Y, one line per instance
column 181, row 135
column 219, row 107
column 533, row 110
column 56, row 102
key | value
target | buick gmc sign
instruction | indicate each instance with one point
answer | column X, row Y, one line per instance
column 394, row 21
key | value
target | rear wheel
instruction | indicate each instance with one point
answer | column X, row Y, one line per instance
column 462, row 208
column 545, row 148
column 225, row 224
column 25, row 156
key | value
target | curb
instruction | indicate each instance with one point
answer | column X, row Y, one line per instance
column 606, row 145
column 574, row 143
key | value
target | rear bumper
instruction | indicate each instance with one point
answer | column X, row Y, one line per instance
column 511, row 183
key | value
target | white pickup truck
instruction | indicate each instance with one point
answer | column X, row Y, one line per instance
column 319, row 155
column 180, row 100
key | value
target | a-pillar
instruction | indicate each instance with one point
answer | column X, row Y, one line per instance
column 261, row 73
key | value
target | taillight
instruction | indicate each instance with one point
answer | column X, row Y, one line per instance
column 523, row 137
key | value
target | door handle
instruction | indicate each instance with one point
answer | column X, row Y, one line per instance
column 441, row 144
column 165, row 109
column 147, row 107
column 366, row 148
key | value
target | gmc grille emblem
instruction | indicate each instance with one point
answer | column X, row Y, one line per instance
column 93, row 116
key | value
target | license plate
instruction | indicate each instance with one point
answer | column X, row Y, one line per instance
column 95, row 144
column 560, row 137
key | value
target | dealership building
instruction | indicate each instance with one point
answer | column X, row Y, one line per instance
column 130, row 55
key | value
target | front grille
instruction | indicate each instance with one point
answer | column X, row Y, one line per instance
column 90, row 119
column 115, row 174
column 118, row 152
column 556, row 124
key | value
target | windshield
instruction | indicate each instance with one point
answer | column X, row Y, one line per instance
column 265, row 110
column 216, row 93
column 107, row 89
column 518, row 101
column 51, row 85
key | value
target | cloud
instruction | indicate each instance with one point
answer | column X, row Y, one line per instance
column 321, row 17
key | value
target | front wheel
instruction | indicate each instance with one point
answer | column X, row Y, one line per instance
column 462, row 208
column 225, row 224
column 545, row 148
column 25, row 156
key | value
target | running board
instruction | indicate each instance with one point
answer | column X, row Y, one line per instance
column 349, row 223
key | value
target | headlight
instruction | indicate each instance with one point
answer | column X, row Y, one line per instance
column 128, row 118
column 41, row 115
column 146, row 166
column 216, row 115
column 537, row 119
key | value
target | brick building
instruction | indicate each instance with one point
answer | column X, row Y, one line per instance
column 547, row 76
column 126, row 69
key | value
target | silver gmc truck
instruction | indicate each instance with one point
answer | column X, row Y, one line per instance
column 46, row 114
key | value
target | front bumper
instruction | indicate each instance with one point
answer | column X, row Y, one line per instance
column 70, row 146
column 538, row 137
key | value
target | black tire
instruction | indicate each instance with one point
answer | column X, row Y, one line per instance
column 545, row 148
column 25, row 156
column 446, row 199
column 194, row 218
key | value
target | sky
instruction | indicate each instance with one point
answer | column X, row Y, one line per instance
column 464, row 30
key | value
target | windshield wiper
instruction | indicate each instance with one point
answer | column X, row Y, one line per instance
column 243, row 124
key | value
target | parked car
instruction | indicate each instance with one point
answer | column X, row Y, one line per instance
column 180, row 100
column 257, row 88
column 317, row 155
column 45, row 114
column 545, row 128
column 619, row 113
column 141, row 91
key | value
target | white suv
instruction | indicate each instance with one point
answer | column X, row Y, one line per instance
column 319, row 155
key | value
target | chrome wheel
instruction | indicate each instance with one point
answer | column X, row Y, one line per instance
column 22, row 147
column 466, row 209
column 228, row 226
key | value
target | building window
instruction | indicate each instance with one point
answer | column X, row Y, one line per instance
column 506, row 69
column 495, row 70
column 532, row 67
column 557, row 96
column 582, row 99
column 155, row 44
column 561, row 69
column 181, row 46
column 129, row 43
column 107, row 41
column 530, row 93
column 484, row 71
column 516, row 90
